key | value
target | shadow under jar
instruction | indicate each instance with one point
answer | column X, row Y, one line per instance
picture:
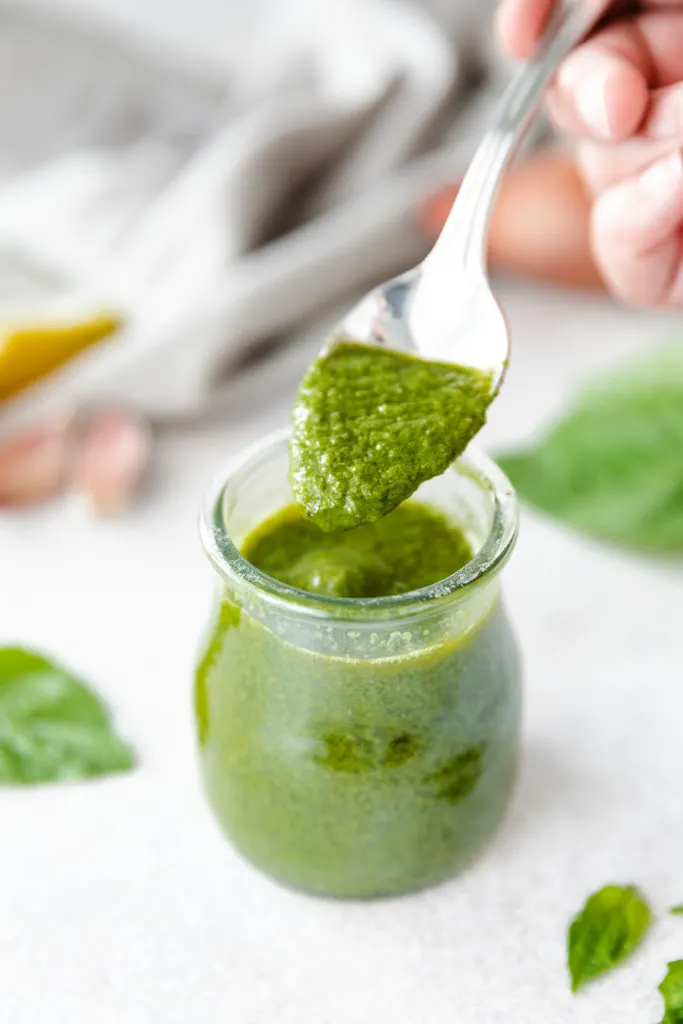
column 358, row 747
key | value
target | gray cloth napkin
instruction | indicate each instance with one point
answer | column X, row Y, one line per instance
column 226, row 193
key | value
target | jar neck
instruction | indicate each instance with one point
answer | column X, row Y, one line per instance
column 361, row 633
column 473, row 493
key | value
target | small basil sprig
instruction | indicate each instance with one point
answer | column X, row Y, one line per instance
column 672, row 993
column 606, row 931
column 52, row 726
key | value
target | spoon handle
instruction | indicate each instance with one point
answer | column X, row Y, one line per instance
column 463, row 239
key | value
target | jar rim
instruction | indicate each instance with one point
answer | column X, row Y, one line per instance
column 486, row 563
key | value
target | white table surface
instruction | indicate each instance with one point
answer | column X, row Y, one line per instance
column 120, row 903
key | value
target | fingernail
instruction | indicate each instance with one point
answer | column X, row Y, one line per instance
column 658, row 185
column 585, row 76
column 665, row 119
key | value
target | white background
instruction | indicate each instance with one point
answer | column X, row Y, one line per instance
column 120, row 903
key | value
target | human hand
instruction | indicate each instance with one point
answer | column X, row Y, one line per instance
column 621, row 93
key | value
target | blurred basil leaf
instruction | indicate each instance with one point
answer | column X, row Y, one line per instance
column 613, row 466
column 672, row 993
column 610, row 926
column 52, row 726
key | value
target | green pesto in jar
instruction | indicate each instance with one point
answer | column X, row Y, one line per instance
column 371, row 424
column 408, row 549
column 352, row 760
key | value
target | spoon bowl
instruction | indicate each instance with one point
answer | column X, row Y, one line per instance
column 450, row 321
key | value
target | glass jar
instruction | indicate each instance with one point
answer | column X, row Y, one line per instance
column 358, row 747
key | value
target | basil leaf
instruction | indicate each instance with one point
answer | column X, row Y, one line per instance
column 678, row 909
column 672, row 993
column 612, row 467
column 610, row 926
column 52, row 727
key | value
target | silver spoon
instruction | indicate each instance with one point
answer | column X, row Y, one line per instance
column 444, row 308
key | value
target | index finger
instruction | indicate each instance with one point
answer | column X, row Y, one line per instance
column 519, row 23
